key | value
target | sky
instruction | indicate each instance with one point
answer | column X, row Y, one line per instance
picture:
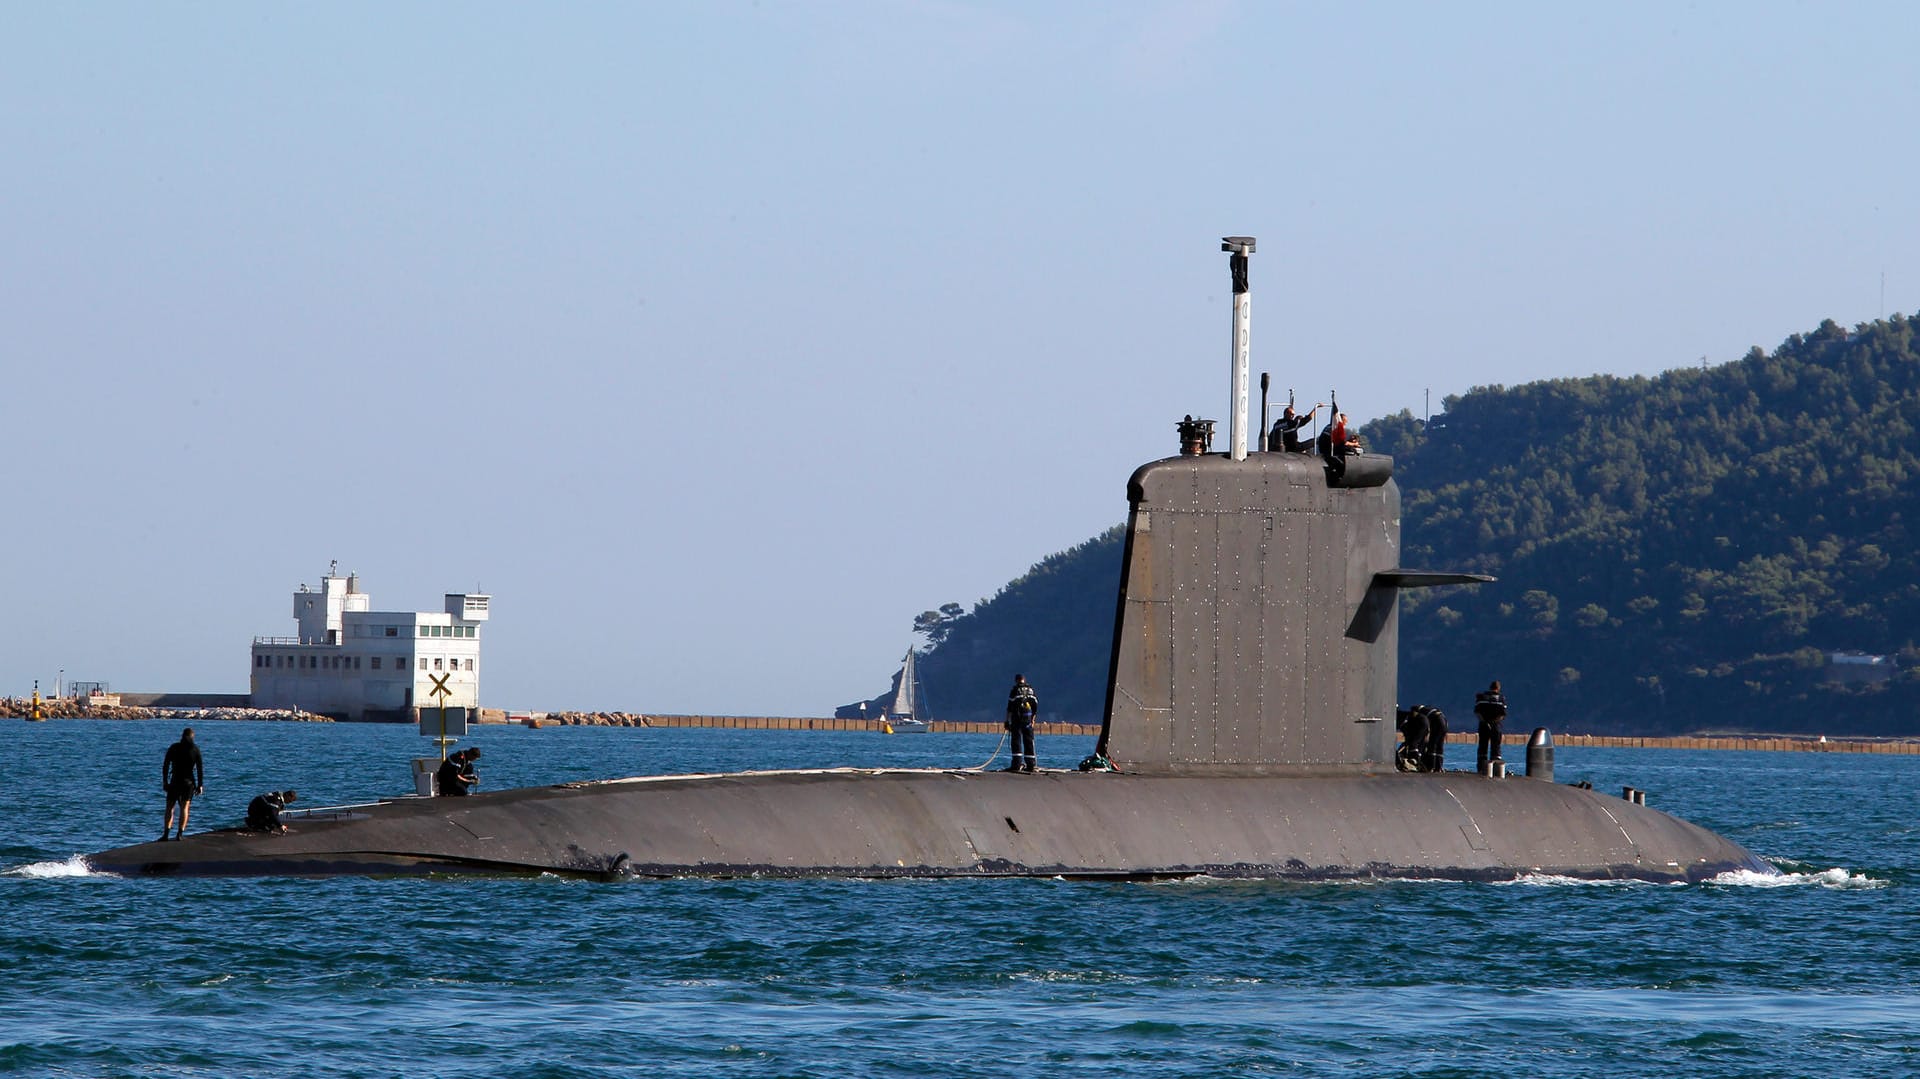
column 715, row 341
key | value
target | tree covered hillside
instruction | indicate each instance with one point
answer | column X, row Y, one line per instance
column 1675, row 553
column 1053, row 624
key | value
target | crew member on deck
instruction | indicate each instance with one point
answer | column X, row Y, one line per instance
column 1491, row 709
column 183, row 776
column 1436, row 738
column 1022, row 705
column 457, row 778
column 1413, row 734
column 263, row 813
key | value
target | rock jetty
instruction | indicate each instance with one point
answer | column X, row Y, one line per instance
column 78, row 708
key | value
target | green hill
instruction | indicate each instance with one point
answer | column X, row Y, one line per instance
column 1677, row 553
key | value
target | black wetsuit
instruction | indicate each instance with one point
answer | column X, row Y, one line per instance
column 182, row 772
column 454, row 779
column 263, row 813
column 1023, row 704
column 1413, row 732
column 1436, row 738
column 1491, row 709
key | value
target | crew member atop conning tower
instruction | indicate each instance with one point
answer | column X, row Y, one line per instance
column 1286, row 431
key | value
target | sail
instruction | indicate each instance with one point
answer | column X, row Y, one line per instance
column 903, row 703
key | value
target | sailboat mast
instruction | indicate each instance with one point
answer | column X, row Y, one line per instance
column 903, row 703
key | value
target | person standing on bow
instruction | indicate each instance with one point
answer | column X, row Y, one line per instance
column 182, row 776
column 1022, row 705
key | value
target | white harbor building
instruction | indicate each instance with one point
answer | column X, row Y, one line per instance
column 353, row 662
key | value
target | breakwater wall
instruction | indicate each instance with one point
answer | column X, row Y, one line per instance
column 1764, row 743
column 69, row 708
column 760, row 723
column 1781, row 743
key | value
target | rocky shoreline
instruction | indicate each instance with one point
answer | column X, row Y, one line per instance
column 72, row 708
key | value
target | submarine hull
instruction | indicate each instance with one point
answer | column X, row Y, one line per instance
column 917, row 823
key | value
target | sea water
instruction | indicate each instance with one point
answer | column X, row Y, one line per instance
column 1810, row 973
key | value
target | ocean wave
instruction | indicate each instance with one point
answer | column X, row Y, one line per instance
column 1837, row 878
column 1555, row 880
column 75, row 866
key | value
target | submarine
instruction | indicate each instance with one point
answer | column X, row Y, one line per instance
column 1251, row 697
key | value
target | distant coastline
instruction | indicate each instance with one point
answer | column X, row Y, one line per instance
column 17, row 708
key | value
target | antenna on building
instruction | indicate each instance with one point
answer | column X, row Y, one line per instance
column 333, row 567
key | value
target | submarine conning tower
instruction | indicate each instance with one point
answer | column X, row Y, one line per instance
column 1257, row 622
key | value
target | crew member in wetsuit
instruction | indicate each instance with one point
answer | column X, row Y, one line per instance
column 1436, row 738
column 1413, row 733
column 263, row 813
column 1491, row 709
column 1022, row 705
column 182, row 775
column 456, row 778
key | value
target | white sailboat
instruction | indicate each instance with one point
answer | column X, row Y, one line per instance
column 901, row 718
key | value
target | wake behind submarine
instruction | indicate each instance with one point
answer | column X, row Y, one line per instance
column 1250, row 698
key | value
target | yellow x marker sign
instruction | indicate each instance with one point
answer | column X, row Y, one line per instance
column 439, row 685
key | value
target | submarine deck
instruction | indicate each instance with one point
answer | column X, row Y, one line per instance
column 940, row 823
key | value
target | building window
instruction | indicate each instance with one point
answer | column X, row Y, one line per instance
column 469, row 665
column 436, row 663
column 423, row 663
column 423, row 631
column 393, row 631
column 376, row 663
